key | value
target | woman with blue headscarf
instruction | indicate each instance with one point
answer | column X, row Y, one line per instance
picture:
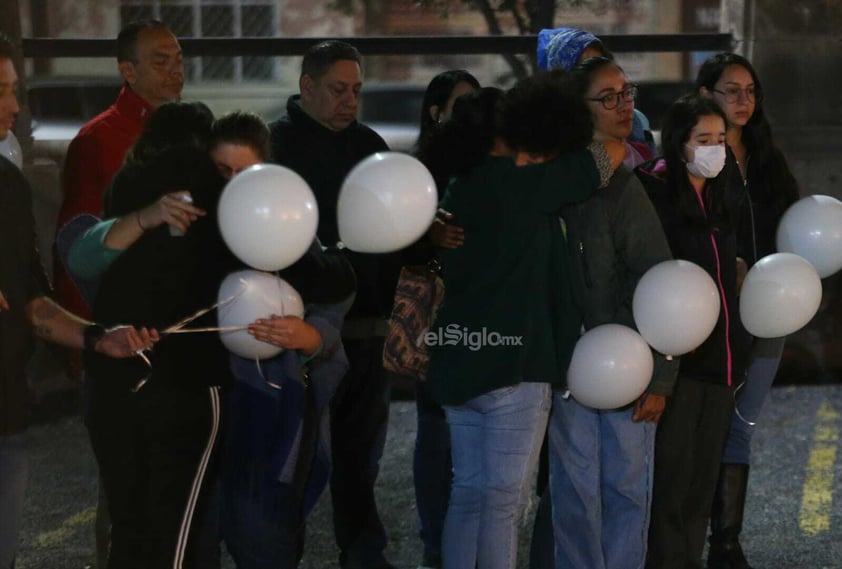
column 564, row 48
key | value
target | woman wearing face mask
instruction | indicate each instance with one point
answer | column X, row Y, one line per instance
column 765, row 188
column 688, row 189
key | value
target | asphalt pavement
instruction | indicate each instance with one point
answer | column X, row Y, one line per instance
column 793, row 520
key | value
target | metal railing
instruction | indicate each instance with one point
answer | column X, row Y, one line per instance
column 392, row 45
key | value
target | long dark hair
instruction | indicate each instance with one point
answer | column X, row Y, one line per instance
column 437, row 94
column 175, row 125
column 464, row 141
column 768, row 171
column 679, row 121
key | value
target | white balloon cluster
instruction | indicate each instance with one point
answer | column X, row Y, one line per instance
column 676, row 305
column 268, row 217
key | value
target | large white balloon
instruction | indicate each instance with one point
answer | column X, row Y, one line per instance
column 386, row 203
column 812, row 228
column 255, row 295
column 780, row 294
column 611, row 367
column 676, row 306
column 268, row 216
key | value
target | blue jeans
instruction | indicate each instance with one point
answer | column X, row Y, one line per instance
column 601, row 468
column 432, row 472
column 14, row 471
column 763, row 366
column 495, row 439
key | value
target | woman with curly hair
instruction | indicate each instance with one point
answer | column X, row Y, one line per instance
column 507, row 326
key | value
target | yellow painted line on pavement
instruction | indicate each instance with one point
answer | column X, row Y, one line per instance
column 68, row 526
column 817, row 498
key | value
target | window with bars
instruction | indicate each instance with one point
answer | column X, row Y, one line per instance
column 214, row 19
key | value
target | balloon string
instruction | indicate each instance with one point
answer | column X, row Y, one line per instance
column 737, row 409
column 208, row 329
column 177, row 327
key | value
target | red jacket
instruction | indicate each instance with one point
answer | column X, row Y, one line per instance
column 93, row 157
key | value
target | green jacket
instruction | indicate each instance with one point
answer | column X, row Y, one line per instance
column 508, row 314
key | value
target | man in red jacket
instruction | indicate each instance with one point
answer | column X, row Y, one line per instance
column 150, row 62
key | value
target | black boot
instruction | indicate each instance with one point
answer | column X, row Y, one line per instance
column 726, row 518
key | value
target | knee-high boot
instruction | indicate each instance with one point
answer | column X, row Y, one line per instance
column 726, row 519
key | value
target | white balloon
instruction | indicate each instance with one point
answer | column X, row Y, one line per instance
column 812, row 228
column 611, row 367
column 10, row 149
column 268, row 216
column 780, row 294
column 255, row 295
column 675, row 306
column 386, row 202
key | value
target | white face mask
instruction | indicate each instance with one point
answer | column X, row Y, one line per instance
column 708, row 161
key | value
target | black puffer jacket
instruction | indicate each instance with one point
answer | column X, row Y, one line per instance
column 712, row 246
column 614, row 238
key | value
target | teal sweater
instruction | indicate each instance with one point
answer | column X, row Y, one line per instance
column 508, row 314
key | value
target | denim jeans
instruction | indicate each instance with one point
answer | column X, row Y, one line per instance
column 601, row 468
column 764, row 360
column 14, row 471
column 494, row 439
column 432, row 472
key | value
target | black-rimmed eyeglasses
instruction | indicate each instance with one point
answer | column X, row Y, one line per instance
column 612, row 100
column 732, row 94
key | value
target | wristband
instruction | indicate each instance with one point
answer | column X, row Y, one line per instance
column 93, row 333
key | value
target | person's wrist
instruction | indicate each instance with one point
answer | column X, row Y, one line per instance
column 139, row 223
column 92, row 334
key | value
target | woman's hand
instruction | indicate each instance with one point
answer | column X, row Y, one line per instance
column 175, row 209
column 443, row 234
column 288, row 332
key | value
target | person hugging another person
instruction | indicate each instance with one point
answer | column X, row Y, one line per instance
column 601, row 461
column 565, row 48
column 510, row 279
column 431, row 466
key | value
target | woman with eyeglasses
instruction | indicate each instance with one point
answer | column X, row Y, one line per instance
column 601, row 460
column 564, row 48
column 764, row 188
column 688, row 188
